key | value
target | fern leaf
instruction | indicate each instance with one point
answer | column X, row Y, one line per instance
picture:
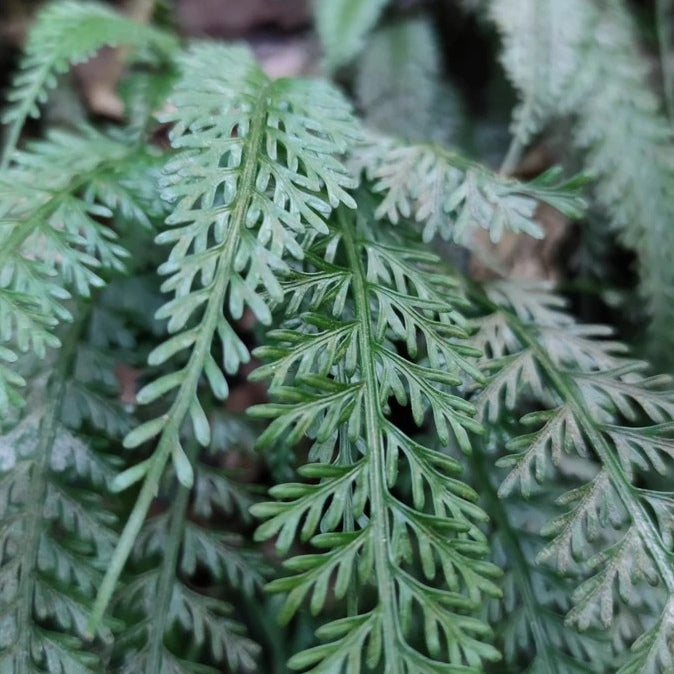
column 392, row 297
column 542, row 53
column 55, row 236
column 609, row 525
column 65, row 33
column 618, row 126
column 451, row 196
column 244, row 186
column 57, row 532
column 343, row 26
column 173, row 553
column 530, row 616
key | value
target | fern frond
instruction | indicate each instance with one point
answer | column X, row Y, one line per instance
column 55, row 235
column 65, row 33
column 542, row 53
column 57, row 532
column 244, row 186
column 452, row 196
column 618, row 125
column 343, row 25
column 173, row 553
column 412, row 568
column 599, row 403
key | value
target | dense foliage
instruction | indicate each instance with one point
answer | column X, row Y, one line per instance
column 440, row 468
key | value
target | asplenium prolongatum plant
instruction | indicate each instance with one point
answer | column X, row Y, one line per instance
column 463, row 477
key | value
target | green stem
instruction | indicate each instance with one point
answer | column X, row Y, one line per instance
column 345, row 458
column 38, row 494
column 188, row 389
column 379, row 515
column 167, row 577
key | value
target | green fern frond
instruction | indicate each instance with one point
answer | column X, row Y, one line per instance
column 412, row 570
column 529, row 619
column 343, row 26
column 173, row 552
column 618, row 124
column 542, row 54
column 66, row 33
column 57, row 532
column 55, row 235
column 245, row 185
column 597, row 402
column 452, row 196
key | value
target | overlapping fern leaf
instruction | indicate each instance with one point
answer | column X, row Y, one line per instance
column 55, row 236
column 182, row 559
column 57, row 530
column 374, row 327
column 529, row 619
column 257, row 167
column 66, row 33
column 452, row 196
column 596, row 404
column 590, row 56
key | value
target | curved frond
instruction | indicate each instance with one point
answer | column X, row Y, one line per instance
column 57, row 532
column 56, row 237
column 66, row 33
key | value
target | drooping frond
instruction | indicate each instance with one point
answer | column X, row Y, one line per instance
column 597, row 403
column 452, row 196
column 398, row 85
column 618, row 124
column 57, row 531
column 244, row 185
column 375, row 324
column 66, row 33
column 55, row 236
column 542, row 53
column 343, row 26
column 179, row 555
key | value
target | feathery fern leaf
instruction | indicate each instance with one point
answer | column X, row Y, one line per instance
column 55, row 236
column 529, row 619
column 66, row 33
column 618, row 125
column 450, row 195
column 244, row 186
column 56, row 531
column 597, row 403
column 172, row 552
column 542, row 53
column 414, row 571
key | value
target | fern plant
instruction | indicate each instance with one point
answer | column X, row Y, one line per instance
column 453, row 472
